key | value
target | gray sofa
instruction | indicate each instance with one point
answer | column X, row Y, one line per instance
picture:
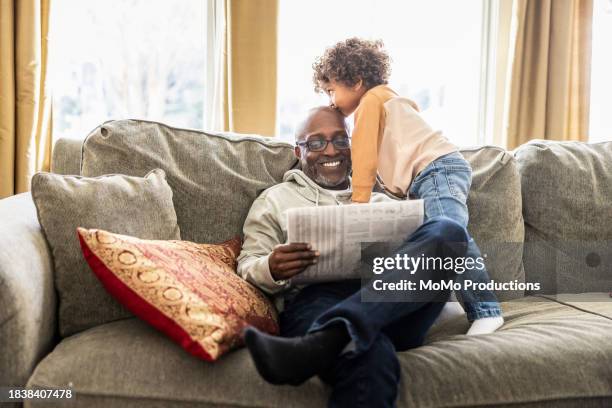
column 542, row 212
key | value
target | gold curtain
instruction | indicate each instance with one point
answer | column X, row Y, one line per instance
column 250, row 63
column 550, row 82
column 25, row 103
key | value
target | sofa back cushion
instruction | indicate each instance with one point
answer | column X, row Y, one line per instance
column 496, row 221
column 567, row 206
column 214, row 177
column 66, row 157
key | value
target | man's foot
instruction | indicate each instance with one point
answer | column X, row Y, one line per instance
column 485, row 325
column 293, row 360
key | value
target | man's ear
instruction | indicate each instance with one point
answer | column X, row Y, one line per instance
column 298, row 152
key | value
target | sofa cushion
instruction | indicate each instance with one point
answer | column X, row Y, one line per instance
column 547, row 354
column 188, row 291
column 135, row 206
column 496, row 221
column 129, row 364
column 567, row 206
column 215, row 177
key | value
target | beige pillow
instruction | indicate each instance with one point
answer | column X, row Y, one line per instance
column 136, row 206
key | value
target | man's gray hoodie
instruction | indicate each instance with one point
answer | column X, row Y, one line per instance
column 266, row 224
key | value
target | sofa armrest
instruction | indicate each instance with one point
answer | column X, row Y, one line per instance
column 27, row 295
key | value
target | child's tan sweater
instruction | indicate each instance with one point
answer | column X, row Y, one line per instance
column 392, row 140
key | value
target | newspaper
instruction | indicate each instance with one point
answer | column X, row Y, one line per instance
column 338, row 232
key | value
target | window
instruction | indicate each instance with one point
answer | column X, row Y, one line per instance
column 435, row 46
column 118, row 59
column 601, row 81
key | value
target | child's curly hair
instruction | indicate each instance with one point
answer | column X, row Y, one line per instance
column 351, row 60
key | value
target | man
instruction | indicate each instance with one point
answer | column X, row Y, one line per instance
column 326, row 329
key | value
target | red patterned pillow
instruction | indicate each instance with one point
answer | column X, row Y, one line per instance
column 188, row 291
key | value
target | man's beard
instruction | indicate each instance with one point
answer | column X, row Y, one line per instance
column 320, row 179
column 326, row 183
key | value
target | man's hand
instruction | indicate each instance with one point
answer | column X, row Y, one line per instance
column 287, row 260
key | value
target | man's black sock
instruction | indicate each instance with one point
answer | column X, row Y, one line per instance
column 293, row 360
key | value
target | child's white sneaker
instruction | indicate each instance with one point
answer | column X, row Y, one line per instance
column 485, row 325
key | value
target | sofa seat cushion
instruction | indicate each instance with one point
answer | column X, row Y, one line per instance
column 129, row 364
column 547, row 354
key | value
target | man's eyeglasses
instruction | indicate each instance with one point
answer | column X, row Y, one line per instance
column 320, row 144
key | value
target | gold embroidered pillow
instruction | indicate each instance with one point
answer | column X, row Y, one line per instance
column 189, row 291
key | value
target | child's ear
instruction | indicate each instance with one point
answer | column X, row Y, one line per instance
column 358, row 85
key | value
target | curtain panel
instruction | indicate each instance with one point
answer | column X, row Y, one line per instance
column 242, row 54
column 25, row 103
column 549, row 92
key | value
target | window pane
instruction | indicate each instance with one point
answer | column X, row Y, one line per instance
column 118, row 59
column 601, row 81
column 435, row 47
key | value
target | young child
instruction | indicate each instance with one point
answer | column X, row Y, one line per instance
column 392, row 142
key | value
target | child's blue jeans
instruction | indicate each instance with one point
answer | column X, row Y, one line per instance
column 444, row 186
